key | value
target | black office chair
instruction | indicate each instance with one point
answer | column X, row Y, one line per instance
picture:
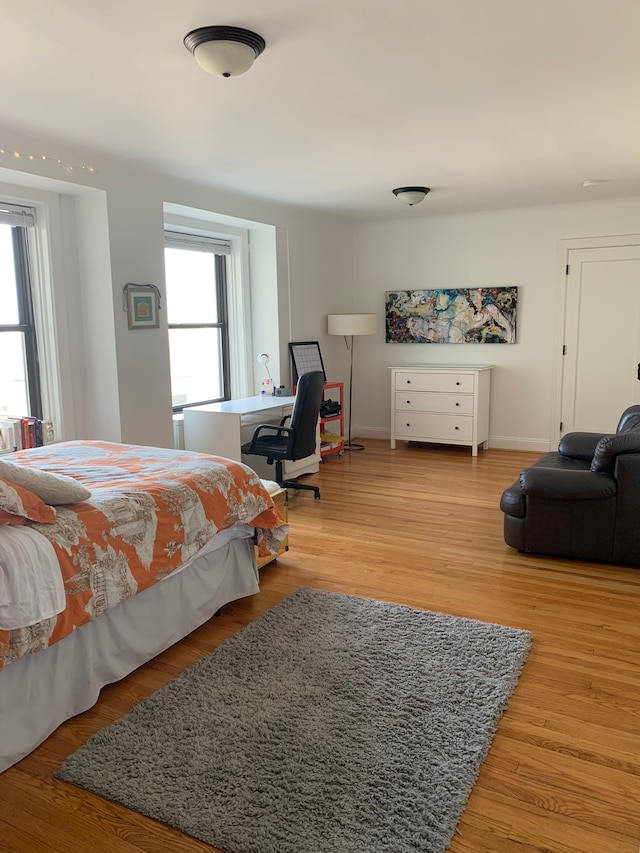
column 296, row 441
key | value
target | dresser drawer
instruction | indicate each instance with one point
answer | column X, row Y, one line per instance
column 453, row 383
column 425, row 427
column 424, row 401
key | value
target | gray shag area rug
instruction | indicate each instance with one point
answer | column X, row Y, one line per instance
column 331, row 724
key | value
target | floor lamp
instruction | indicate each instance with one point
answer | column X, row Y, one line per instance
column 349, row 325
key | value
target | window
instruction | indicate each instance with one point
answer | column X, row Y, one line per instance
column 197, row 316
column 20, row 375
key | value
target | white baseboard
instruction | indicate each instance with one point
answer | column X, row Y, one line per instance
column 501, row 442
column 371, row 432
column 506, row 442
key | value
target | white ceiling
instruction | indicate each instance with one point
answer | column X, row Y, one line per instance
column 491, row 103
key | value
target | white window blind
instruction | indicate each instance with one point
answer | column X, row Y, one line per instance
column 17, row 214
column 195, row 243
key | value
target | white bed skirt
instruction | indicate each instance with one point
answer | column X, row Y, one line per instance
column 42, row 690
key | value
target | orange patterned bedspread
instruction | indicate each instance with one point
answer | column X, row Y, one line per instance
column 150, row 510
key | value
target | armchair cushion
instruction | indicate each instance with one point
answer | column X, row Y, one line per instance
column 630, row 420
column 580, row 445
column 608, row 449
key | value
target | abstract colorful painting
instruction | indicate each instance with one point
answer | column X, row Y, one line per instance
column 474, row 315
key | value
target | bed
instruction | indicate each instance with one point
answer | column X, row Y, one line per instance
column 109, row 554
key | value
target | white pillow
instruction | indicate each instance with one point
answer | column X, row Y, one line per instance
column 51, row 488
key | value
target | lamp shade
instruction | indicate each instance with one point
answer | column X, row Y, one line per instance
column 352, row 324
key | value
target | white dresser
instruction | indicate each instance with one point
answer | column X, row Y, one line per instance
column 447, row 404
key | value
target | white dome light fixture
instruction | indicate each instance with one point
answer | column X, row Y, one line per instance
column 411, row 195
column 224, row 51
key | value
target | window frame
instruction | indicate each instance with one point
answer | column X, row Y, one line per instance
column 26, row 324
column 193, row 242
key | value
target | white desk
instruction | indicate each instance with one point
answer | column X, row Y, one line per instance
column 221, row 428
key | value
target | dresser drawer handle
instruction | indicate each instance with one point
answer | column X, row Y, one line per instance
column 408, row 382
column 457, row 404
column 457, row 383
column 408, row 402
column 456, row 427
column 408, row 424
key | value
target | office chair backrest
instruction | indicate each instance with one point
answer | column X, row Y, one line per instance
column 306, row 411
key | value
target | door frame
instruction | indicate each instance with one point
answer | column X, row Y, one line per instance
column 564, row 249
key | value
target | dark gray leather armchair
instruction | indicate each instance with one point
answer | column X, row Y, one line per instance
column 582, row 501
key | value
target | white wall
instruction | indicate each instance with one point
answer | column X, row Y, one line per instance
column 121, row 388
column 117, row 381
column 99, row 416
column 520, row 247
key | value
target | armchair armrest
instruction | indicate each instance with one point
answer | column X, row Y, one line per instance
column 557, row 484
column 580, row 445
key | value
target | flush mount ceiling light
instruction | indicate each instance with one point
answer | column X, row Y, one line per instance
column 411, row 195
column 224, row 51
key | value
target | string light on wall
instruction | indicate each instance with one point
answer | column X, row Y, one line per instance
column 18, row 155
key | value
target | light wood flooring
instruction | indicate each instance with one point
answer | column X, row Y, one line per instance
column 420, row 526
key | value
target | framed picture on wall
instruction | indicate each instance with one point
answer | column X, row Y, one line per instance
column 141, row 305
column 461, row 315
column 305, row 356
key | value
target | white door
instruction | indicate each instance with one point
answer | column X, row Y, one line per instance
column 601, row 364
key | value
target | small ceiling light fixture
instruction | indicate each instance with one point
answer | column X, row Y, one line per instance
column 411, row 195
column 224, row 51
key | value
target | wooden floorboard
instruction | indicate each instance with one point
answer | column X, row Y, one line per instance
column 419, row 526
